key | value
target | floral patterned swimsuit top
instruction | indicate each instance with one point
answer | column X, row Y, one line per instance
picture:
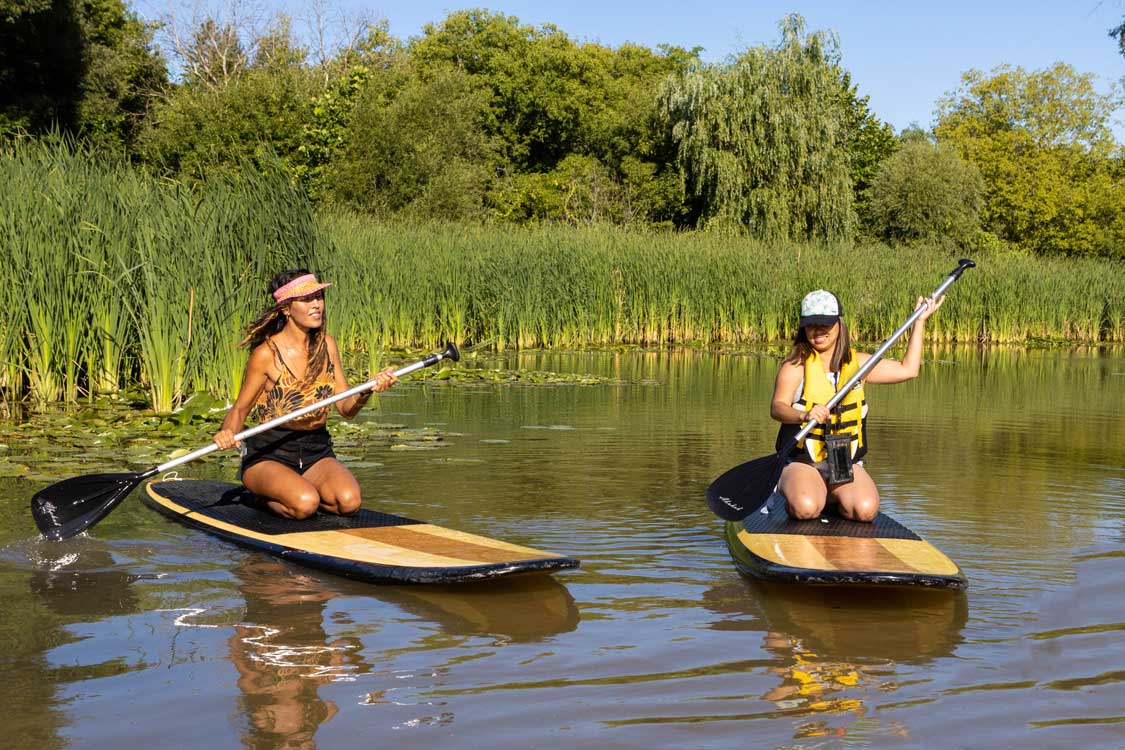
column 289, row 394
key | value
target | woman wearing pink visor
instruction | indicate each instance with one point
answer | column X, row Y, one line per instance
column 294, row 362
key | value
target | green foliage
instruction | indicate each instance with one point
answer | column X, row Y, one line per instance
column 416, row 145
column 926, row 192
column 127, row 279
column 870, row 143
column 552, row 100
column 40, row 65
column 1118, row 33
column 263, row 112
column 82, row 66
column 416, row 285
column 1043, row 143
column 122, row 73
column 763, row 142
column 327, row 132
column 485, row 118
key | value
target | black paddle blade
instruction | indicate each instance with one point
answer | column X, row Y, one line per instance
column 73, row 505
column 742, row 490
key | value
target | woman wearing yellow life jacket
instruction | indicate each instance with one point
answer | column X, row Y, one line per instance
column 821, row 359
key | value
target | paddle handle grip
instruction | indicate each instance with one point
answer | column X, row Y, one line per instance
column 450, row 353
column 964, row 265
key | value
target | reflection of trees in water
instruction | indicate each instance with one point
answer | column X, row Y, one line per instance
column 983, row 427
column 835, row 646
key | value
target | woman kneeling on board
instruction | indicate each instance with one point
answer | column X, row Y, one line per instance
column 294, row 362
column 827, row 466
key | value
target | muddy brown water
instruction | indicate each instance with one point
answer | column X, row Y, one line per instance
column 144, row 633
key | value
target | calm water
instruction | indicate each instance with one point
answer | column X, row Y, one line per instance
column 147, row 634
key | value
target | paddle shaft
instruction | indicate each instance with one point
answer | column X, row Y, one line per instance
column 432, row 359
column 880, row 352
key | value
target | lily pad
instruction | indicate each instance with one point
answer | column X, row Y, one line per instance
column 10, row 469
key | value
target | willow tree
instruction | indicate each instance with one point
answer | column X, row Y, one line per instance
column 762, row 141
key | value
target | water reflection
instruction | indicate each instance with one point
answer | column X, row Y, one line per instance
column 1008, row 461
column 82, row 584
column 97, row 589
column 834, row 647
column 521, row 610
column 284, row 655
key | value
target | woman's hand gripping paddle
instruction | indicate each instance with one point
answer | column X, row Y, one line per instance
column 71, row 506
column 743, row 489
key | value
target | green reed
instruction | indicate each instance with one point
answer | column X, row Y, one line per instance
column 122, row 278
column 118, row 278
column 414, row 285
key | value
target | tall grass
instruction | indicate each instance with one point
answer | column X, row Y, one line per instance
column 119, row 278
column 114, row 278
column 415, row 285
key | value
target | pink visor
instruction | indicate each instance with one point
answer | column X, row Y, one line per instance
column 302, row 286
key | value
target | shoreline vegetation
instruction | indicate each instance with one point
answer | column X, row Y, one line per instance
column 123, row 279
column 507, row 186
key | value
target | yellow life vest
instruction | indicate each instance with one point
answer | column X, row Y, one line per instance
column 847, row 416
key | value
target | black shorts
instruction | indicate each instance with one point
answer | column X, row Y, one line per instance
column 297, row 449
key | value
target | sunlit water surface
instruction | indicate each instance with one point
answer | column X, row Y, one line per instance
column 146, row 634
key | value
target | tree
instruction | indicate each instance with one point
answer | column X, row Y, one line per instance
column 41, row 48
column 1118, row 33
column 233, row 108
column 870, row 143
column 925, row 191
column 122, row 74
column 85, row 67
column 416, row 145
column 763, row 142
column 567, row 119
column 1042, row 142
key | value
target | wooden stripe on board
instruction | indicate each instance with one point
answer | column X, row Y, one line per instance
column 922, row 555
column 413, row 546
column 851, row 554
column 437, row 540
column 791, row 550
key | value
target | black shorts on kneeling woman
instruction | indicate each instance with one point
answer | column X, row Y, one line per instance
column 297, row 449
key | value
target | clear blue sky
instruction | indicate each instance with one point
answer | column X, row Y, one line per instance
column 904, row 55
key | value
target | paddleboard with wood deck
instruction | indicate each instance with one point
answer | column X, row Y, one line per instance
column 773, row 546
column 368, row 546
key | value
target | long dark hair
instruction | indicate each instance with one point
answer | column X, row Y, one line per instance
column 272, row 321
column 802, row 348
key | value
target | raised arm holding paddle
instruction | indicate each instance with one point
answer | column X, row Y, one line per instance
column 821, row 461
column 827, row 466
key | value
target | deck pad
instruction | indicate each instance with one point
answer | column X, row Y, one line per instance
column 832, row 549
column 370, row 546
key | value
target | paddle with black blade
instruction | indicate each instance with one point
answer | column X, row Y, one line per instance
column 743, row 489
column 73, row 505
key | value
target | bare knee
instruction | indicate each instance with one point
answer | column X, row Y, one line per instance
column 348, row 502
column 864, row 509
column 304, row 504
column 805, row 507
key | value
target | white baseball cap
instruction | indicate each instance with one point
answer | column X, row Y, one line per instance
column 820, row 308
